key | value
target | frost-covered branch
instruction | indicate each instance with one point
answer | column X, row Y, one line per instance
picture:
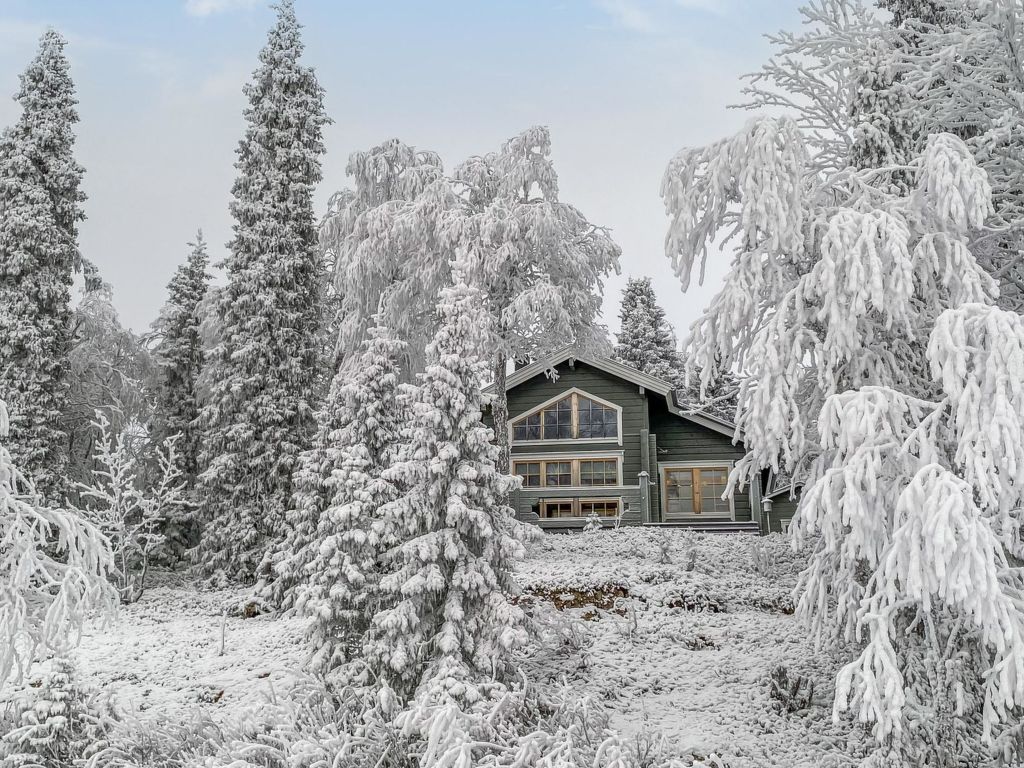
column 53, row 572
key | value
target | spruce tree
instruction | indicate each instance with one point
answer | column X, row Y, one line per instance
column 179, row 358
column 885, row 133
column 40, row 207
column 646, row 340
column 64, row 725
column 445, row 610
column 263, row 372
column 326, row 566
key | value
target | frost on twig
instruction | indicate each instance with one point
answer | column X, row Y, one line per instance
column 53, row 572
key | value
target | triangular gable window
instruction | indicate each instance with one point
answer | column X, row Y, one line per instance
column 574, row 416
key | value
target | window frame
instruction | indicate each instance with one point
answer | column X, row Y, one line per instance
column 577, row 503
column 666, row 467
column 573, row 392
column 574, row 460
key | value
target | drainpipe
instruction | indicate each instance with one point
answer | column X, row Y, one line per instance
column 644, row 481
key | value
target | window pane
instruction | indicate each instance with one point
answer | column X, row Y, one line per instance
column 604, row 508
column 713, row 483
column 679, row 492
column 530, row 472
column 527, row 428
column 558, row 420
column 557, row 509
column 596, row 420
column 599, row 472
column 558, row 473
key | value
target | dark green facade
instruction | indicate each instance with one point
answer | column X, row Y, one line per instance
column 652, row 438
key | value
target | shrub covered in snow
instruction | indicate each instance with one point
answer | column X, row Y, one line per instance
column 60, row 725
column 129, row 514
column 53, row 572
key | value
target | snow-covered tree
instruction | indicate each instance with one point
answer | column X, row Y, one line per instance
column 109, row 367
column 646, row 340
column 383, row 240
column 263, row 373
column 179, row 358
column 40, row 200
column 816, row 73
column 131, row 516
column 884, row 133
column 53, row 572
column 964, row 64
column 836, row 287
column 931, row 12
column 63, row 725
column 326, row 567
column 539, row 261
column 917, row 504
column 446, row 614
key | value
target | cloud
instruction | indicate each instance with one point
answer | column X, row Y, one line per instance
column 628, row 15
column 714, row 6
column 210, row 7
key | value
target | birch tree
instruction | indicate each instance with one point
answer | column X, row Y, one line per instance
column 383, row 239
column 539, row 261
column 868, row 310
column 53, row 572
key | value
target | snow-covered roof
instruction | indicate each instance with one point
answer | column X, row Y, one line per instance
column 615, row 368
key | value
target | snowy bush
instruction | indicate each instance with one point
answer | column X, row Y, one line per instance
column 53, row 572
column 790, row 692
column 63, row 723
column 130, row 516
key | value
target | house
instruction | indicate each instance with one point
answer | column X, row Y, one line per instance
column 602, row 438
column 779, row 503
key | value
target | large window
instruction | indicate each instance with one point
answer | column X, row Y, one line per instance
column 573, row 417
column 695, row 492
column 600, row 472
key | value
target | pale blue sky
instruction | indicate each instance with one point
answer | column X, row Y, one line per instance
column 622, row 84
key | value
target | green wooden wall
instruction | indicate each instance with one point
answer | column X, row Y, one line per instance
column 680, row 439
column 624, row 394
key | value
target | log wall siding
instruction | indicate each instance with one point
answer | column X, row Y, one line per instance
column 682, row 440
column 624, row 394
column 645, row 417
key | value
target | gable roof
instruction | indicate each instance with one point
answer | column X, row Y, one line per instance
column 615, row 368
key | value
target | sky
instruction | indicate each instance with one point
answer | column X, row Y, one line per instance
column 622, row 85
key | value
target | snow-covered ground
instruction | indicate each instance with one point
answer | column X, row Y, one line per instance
column 674, row 633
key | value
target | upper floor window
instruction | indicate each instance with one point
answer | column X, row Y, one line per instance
column 573, row 416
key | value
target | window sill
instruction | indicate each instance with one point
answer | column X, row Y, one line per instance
column 569, row 441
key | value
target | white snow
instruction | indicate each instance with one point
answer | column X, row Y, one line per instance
column 698, row 678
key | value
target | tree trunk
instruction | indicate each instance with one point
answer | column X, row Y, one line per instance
column 499, row 410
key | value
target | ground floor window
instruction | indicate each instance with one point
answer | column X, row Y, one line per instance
column 695, row 491
column 551, row 509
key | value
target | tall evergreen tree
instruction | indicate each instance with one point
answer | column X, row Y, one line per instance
column 326, row 567
column 179, row 358
column 263, row 372
column 646, row 340
column 40, row 207
column 445, row 614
